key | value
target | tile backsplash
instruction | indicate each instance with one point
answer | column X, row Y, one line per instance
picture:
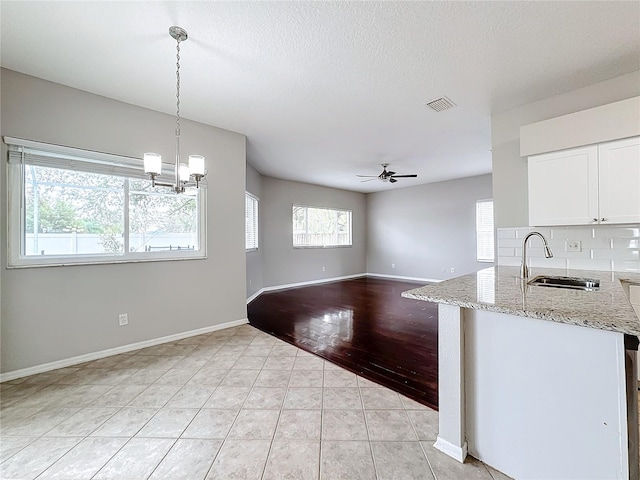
column 602, row 247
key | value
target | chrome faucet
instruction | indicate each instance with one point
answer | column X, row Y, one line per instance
column 524, row 270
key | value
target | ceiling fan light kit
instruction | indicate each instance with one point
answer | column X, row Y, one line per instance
column 386, row 175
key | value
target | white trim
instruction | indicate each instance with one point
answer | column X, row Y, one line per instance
column 401, row 277
column 321, row 246
column 334, row 279
column 247, row 192
column 302, row 284
column 111, row 261
column 312, row 282
column 87, row 357
column 254, row 296
column 451, row 382
column 454, row 451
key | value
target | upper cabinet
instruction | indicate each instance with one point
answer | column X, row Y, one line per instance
column 619, row 181
column 586, row 185
column 563, row 187
column 574, row 184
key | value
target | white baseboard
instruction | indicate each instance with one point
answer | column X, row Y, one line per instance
column 312, row 282
column 400, row 277
column 254, row 296
column 303, row 284
column 454, row 451
column 67, row 362
column 336, row 279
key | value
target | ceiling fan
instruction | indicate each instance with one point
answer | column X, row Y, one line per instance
column 386, row 175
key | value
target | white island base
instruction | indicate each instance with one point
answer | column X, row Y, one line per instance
column 536, row 399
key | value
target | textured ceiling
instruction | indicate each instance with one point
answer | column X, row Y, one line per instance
column 328, row 90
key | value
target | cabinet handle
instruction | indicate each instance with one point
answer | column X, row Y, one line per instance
column 595, row 219
column 603, row 219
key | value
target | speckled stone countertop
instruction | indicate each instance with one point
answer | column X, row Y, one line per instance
column 500, row 289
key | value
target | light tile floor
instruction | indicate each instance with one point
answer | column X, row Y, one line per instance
column 233, row 404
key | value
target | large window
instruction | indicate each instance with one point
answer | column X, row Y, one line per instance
column 321, row 227
column 485, row 249
column 73, row 206
column 250, row 222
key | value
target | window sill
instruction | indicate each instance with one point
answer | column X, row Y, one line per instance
column 59, row 262
column 301, row 247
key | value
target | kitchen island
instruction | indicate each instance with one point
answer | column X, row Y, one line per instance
column 538, row 382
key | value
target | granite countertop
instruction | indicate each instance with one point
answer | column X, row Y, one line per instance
column 500, row 289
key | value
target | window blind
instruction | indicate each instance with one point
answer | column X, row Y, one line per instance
column 251, row 222
column 56, row 156
column 485, row 250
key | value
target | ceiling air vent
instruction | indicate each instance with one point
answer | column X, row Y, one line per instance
column 440, row 104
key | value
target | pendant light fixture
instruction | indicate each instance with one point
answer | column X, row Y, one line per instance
column 153, row 161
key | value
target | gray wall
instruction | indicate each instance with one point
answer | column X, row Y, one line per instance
column 510, row 170
column 426, row 230
column 282, row 263
column 254, row 258
column 54, row 313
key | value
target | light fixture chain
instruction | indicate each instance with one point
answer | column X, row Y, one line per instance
column 178, row 88
column 153, row 161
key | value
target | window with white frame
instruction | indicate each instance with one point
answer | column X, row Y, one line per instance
column 70, row 206
column 485, row 249
column 250, row 222
column 321, row 227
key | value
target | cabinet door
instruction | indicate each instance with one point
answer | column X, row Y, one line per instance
column 563, row 187
column 619, row 168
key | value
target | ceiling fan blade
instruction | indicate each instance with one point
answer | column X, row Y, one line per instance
column 405, row 176
column 391, row 173
column 362, row 181
column 370, row 176
column 392, row 180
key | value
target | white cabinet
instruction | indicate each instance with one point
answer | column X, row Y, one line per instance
column 586, row 185
column 619, row 181
column 563, row 187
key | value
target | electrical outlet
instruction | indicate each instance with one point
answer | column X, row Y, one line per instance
column 453, row 270
column 123, row 319
column 574, row 246
column 393, row 265
column 249, row 282
column 324, row 269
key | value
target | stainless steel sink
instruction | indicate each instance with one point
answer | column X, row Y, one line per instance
column 575, row 283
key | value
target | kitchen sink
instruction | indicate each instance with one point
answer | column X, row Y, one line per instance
column 575, row 283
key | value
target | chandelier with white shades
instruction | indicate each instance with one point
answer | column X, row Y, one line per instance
column 153, row 161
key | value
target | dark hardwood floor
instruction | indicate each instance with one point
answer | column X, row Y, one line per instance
column 363, row 325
